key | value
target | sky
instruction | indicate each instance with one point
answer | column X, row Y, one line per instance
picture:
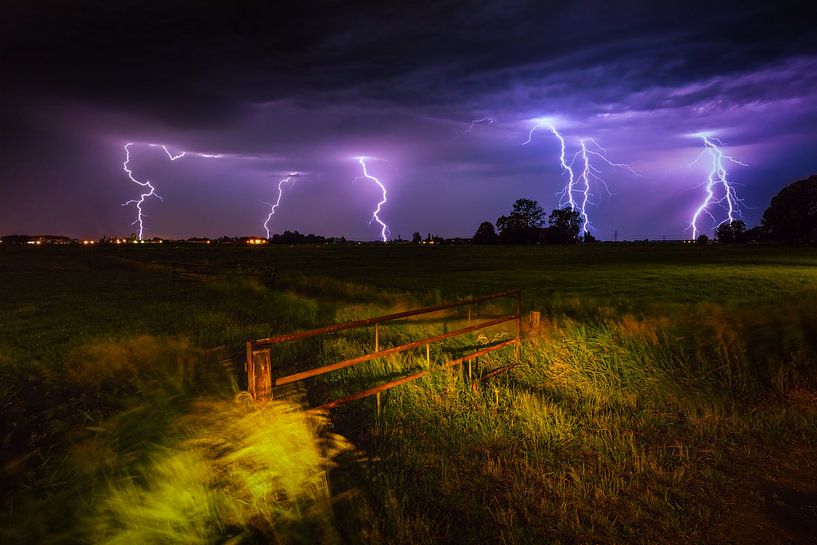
column 279, row 87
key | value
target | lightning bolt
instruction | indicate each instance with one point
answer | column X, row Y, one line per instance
column 290, row 178
column 146, row 184
column 590, row 172
column 151, row 191
column 170, row 155
column 384, row 229
column 717, row 177
column 474, row 123
column 566, row 195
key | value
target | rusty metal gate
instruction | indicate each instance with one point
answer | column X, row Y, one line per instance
column 258, row 366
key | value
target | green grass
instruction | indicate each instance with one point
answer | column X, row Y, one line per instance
column 654, row 367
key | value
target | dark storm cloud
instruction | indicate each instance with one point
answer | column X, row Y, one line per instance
column 197, row 63
column 278, row 87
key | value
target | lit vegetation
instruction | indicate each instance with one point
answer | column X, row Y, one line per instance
column 653, row 371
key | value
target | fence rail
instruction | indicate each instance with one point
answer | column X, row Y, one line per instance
column 259, row 368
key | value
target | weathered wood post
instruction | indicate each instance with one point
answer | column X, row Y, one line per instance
column 533, row 320
column 259, row 373
column 377, row 337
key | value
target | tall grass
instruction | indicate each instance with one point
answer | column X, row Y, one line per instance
column 238, row 471
column 149, row 447
column 652, row 371
column 615, row 431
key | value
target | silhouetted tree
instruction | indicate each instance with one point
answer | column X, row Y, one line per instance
column 522, row 225
column 731, row 232
column 486, row 234
column 792, row 214
column 588, row 237
column 416, row 238
column 294, row 237
column 757, row 234
column 702, row 240
column 564, row 226
column 529, row 212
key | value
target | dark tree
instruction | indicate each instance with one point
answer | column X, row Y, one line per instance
column 757, row 234
column 731, row 232
column 523, row 224
column 564, row 226
column 416, row 238
column 792, row 214
column 529, row 212
column 702, row 240
column 486, row 234
column 588, row 237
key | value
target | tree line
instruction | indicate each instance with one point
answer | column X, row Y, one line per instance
column 526, row 225
column 791, row 218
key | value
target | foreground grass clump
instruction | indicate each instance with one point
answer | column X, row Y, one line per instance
column 149, row 446
column 253, row 474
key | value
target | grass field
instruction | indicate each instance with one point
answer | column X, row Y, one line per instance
column 665, row 386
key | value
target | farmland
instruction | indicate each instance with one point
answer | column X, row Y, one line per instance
column 663, row 386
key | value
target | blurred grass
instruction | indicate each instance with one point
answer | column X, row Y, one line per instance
column 652, row 367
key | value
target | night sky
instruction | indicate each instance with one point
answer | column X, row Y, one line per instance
column 309, row 87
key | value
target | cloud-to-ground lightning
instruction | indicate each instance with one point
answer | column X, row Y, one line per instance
column 590, row 172
column 717, row 177
column 291, row 178
column 151, row 190
column 567, row 193
column 589, row 150
column 384, row 229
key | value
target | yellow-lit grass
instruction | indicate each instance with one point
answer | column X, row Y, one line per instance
column 238, row 470
column 616, row 430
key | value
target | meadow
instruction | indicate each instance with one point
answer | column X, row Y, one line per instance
column 668, row 390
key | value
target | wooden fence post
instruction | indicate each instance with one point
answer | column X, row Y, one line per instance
column 533, row 319
column 377, row 337
column 259, row 373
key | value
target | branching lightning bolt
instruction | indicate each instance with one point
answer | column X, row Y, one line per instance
column 590, row 149
column 384, row 229
column 151, row 191
column 146, row 184
column 566, row 194
column 590, row 172
column 717, row 177
column 288, row 179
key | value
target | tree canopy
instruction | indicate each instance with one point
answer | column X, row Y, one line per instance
column 792, row 214
column 565, row 224
column 730, row 232
column 486, row 234
column 522, row 225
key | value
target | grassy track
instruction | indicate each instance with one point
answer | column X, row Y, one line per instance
column 655, row 369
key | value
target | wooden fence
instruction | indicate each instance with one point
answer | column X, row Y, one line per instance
column 259, row 369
